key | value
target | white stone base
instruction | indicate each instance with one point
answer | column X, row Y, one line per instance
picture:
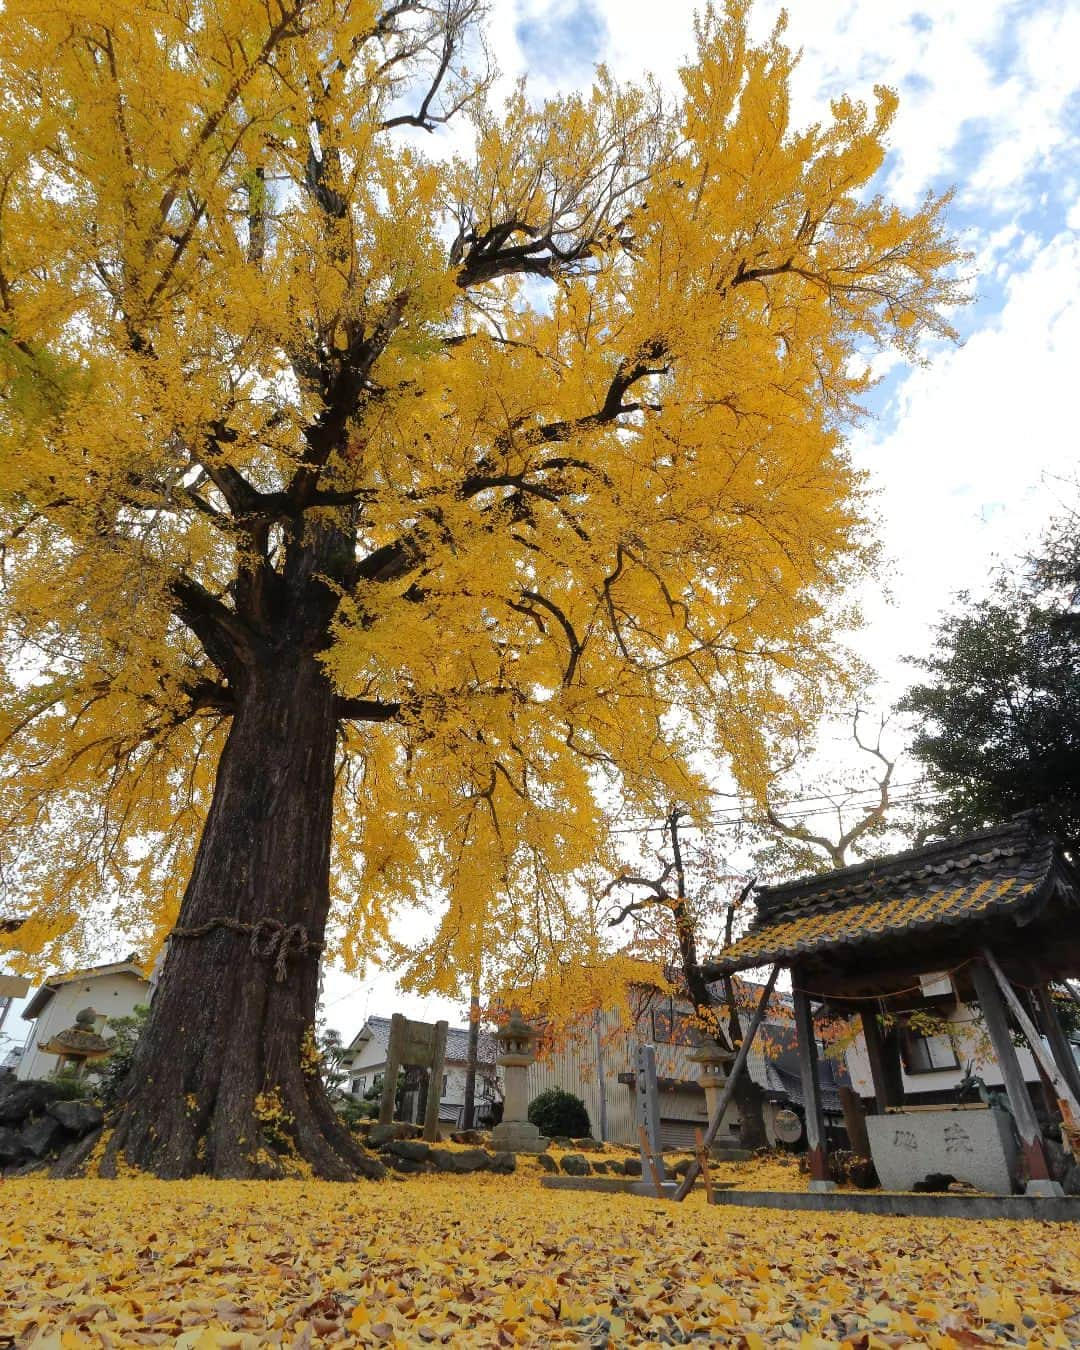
column 819, row 1186
column 976, row 1146
column 518, row 1136
column 648, row 1188
column 1049, row 1189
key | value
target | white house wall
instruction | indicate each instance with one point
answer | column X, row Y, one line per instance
column 110, row 996
column 970, row 1043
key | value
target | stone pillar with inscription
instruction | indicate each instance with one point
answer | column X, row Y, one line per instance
column 516, row 1133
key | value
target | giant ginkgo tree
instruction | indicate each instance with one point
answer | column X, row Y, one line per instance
column 375, row 516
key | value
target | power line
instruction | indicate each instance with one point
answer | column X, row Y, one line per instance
column 733, row 814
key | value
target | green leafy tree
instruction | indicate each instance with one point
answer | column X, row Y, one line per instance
column 108, row 1079
column 331, row 1062
column 999, row 710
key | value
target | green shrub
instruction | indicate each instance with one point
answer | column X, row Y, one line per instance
column 558, row 1112
column 110, row 1074
column 72, row 1088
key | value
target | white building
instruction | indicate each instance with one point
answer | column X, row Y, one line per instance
column 111, row 990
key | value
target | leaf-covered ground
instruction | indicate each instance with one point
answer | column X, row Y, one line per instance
column 495, row 1261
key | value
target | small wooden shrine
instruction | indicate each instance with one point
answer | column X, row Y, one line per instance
column 990, row 919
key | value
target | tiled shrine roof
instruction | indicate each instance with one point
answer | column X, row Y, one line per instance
column 1008, row 870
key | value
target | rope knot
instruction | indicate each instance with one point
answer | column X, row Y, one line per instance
column 271, row 940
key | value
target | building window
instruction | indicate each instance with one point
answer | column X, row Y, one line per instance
column 670, row 1026
column 927, row 1054
column 445, row 1077
column 359, row 1085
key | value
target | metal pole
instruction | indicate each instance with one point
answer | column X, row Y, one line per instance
column 600, row 1083
column 468, row 1115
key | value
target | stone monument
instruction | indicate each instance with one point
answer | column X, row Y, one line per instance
column 516, row 1133
column 419, row 1045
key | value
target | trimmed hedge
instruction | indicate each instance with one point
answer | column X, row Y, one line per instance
column 558, row 1112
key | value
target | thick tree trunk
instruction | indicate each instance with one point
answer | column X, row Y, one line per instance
column 225, row 1079
column 750, row 1099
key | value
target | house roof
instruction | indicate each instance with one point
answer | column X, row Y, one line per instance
column 37, row 1004
column 377, row 1029
column 1006, row 872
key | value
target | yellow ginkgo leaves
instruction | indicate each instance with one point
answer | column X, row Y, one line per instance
column 485, row 1261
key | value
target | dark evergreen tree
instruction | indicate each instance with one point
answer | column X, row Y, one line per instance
column 999, row 709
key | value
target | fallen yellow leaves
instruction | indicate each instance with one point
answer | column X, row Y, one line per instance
column 493, row 1261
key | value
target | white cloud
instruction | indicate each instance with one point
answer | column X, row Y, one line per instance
column 986, row 88
column 981, row 440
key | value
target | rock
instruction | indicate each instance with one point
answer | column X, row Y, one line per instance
column 470, row 1136
column 41, row 1136
column 11, row 1149
column 24, row 1099
column 615, row 1167
column 397, row 1129
column 502, row 1163
column 467, row 1160
column 78, row 1117
column 562, row 1141
column 934, row 1181
column 547, row 1162
column 598, row 1165
column 408, row 1165
column 683, row 1166
column 632, row 1167
column 575, row 1165
column 72, row 1159
column 412, row 1150
column 589, row 1145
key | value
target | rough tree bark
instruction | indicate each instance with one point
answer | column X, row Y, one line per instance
column 749, row 1095
column 225, row 1077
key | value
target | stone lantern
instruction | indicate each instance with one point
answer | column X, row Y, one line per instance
column 78, row 1045
column 517, row 1050
column 712, row 1059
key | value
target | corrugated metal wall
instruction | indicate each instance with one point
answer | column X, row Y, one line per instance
column 591, row 1062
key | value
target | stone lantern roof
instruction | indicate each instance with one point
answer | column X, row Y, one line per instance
column 80, row 1041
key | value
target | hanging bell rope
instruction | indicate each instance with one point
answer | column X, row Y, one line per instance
column 271, row 940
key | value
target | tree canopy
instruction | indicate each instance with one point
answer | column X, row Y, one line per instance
column 446, row 497
column 999, row 710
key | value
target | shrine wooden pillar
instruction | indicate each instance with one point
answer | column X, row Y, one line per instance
column 395, row 1054
column 884, row 1056
column 434, row 1083
column 811, row 1087
column 1027, row 1124
column 1059, row 1044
